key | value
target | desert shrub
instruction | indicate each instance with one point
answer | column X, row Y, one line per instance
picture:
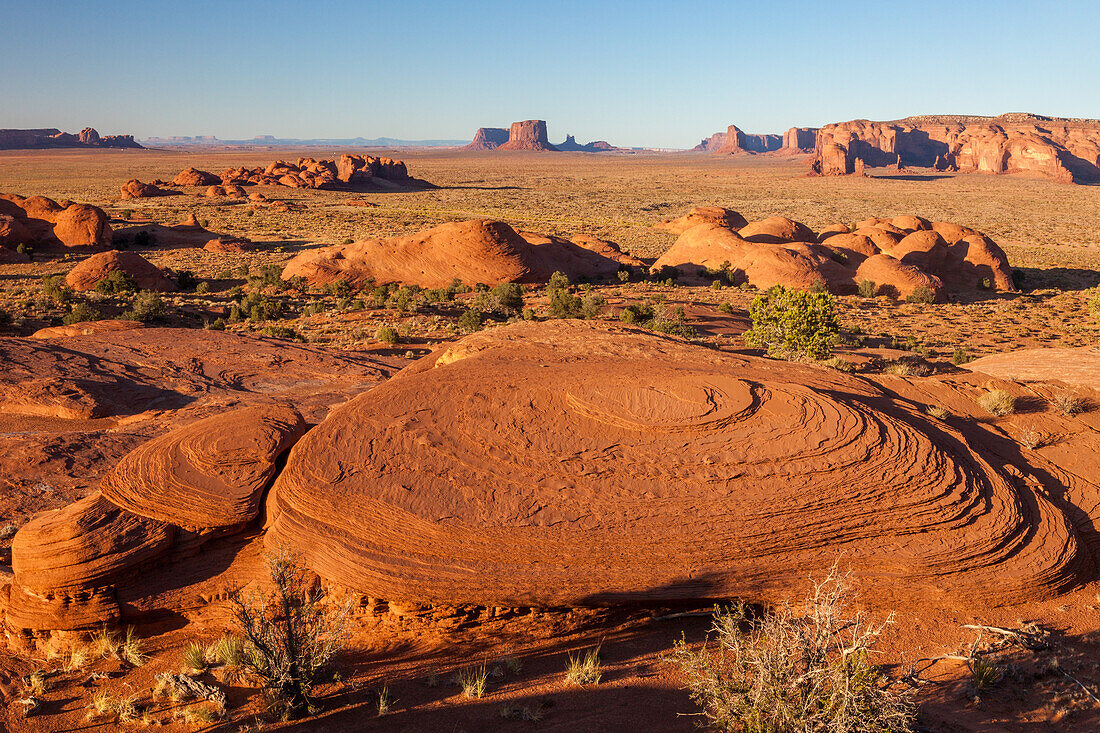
column 25, row 249
column 782, row 672
column 961, row 356
column 584, row 668
column 564, row 304
column 340, row 288
column 867, row 288
column 55, row 290
column 1067, row 403
column 624, row 275
column 528, row 314
column 592, row 305
column 923, row 294
column 203, row 288
column 725, row 307
column 403, row 298
column 387, row 335
column 671, row 321
column 115, row 283
column 259, row 307
column 282, row 332
column 146, row 307
column 456, row 287
column 665, row 274
column 637, row 313
column 794, row 324
column 937, row 412
column 998, row 402
column 841, row 365
column 470, row 321
column 1033, row 439
column 290, row 634
column 269, row 276
column 558, row 281
column 5, row 318
column 508, row 297
column 194, row 656
column 186, row 280
column 144, row 239
column 217, row 325
column 81, row 312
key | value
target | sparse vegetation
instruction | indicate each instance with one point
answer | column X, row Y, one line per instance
column 867, row 288
column 785, row 672
column 1067, row 403
column 583, row 668
column 473, row 681
column 922, row 294
column 116, row 282
column 146, row 307
column 470, row 320
column 387, row 335
column 81, row 313
column 291, row 634
column 998, row 402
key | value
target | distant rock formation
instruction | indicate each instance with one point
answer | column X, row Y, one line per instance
column 54, row 138
column 488, row 138
column 528, row 135
column 734, row 141
column 1065, row 150
column 741, row 142
column 349, row 172
column 599, row 146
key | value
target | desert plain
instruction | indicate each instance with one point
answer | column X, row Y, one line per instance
column 514, row 523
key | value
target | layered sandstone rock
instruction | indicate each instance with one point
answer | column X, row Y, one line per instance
column 716, row 215
column 900, row 255
column 166, row 497
column 800, row 139
column 85, row 329
column 144, row 273
column 1064, row 150
column 528, row 135
column 599, row 146
column 487, row 138
column 480, row 251
column 797, row 140
column 711, row 144
column 135, row 189
column 54, row 138
column 195, row 177
column 349, row 172
column 580, row 447
column 43, row 222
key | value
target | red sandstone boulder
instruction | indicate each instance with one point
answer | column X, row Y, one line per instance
column 148, row 276
column 135, row 189
column 713, row 215
column 227, row 245
column 195, row 177
column 49, row 224
column 776, row 230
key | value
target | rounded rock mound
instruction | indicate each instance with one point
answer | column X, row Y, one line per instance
column 148, row 276
column 538, row 465
column 480, row 251
column 714, row 215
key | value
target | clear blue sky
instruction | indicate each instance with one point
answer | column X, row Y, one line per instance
column 634, row 73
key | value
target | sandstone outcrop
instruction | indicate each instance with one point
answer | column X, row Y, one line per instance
column 528, row 135
column 135, row 189
column 557, row 447
column 479, row 251
column 45, row 223
column 487, row 138
column 797, row 140
column 349, row 172
column 800, row 139
column 147, row 276
column 899, row 255
column 711, row 144
column 739, row 142
column 195, row 177
column 85, row 329
column 716, row 215
column 54, row 138
column 1064, row 150
column 599, row 146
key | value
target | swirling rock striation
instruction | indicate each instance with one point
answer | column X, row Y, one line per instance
column 574, row 463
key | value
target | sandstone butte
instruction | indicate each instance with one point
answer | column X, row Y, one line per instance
column 527, row 135
column 733, row 141
column 349, row 172
column 46, row 224
column 147, row 276
column 898, row 256
column 487, row 138
column 1065, row 150
column 54, row 138
column 548, row 464
column 479, row 251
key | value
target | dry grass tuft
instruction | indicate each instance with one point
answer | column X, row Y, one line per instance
column 1067, row 403
column 998, row 402
column 584, row 669
column 473, row 681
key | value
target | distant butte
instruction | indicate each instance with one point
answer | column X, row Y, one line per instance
column 54, row 138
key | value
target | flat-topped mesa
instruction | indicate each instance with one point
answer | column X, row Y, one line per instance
column 528, row 135
column 478, row 251
column 1064, row 150
column 598, row 146
column 741, row 142
column 800, row 139
column 487, row 138
column 54, row 138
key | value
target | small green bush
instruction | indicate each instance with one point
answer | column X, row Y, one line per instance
column 147, row 306
column 558, row 281
column 115, row 283
column 725, row 307
column 564, row 304
column 961, row 356
column 387, row 335
column 282, row 332
column 470, row 321
column 144, row 239
column 186, row 280
column 867, row 288
column 637, row 313
column 55, row 290
column 923, row 294
column 80, row 313
column 509, row 298
column 794, row 324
